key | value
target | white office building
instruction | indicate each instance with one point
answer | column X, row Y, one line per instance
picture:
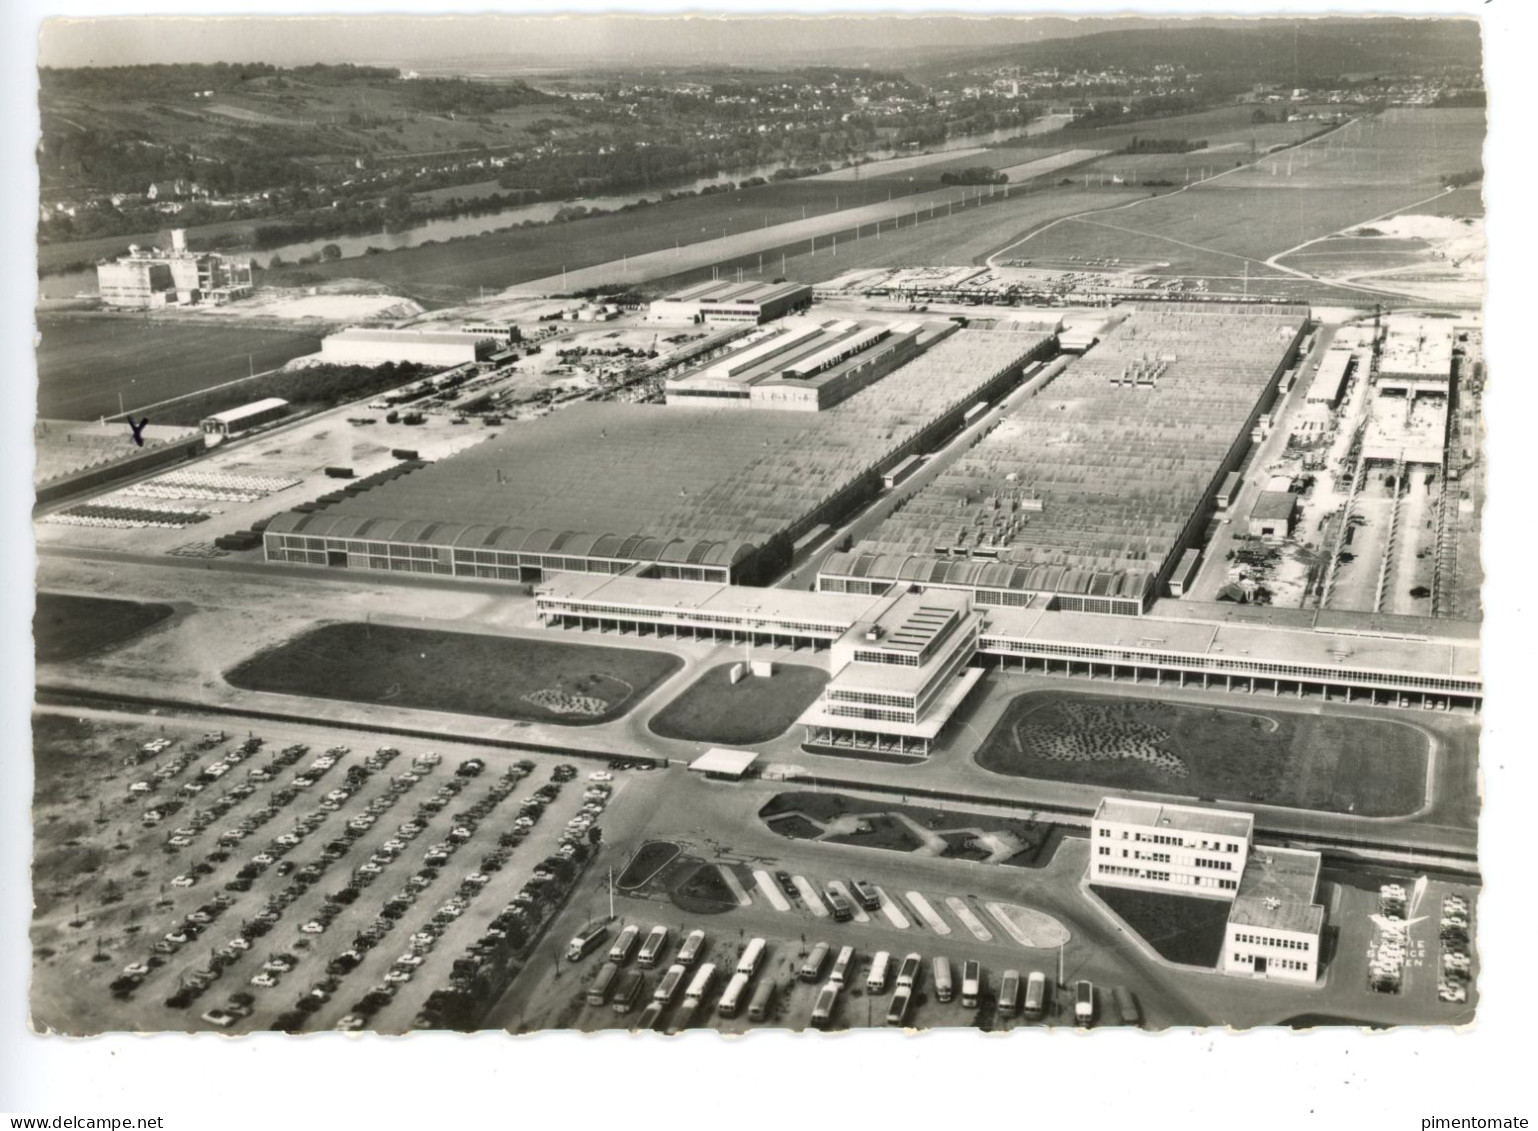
column 1172, row 848
column 1275, row 923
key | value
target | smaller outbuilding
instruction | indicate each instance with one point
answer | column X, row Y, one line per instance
column 722, row 763
column 1271, row 518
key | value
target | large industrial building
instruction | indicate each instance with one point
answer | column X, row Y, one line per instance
column 1086, row 496
column 151, row 277
column 685, row 493
column 1348, row 662
column 724, row 301
column 1275, row 924
column 358, row 345
column 803, row 365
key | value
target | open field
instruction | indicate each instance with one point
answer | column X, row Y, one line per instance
column 1184, row 929
column 1252, row 214
column 66, row 627
column 753, row 710
column 1368, row 767
column 518, row 255
column 85, row 364
column 967, row 235
column 573, row 684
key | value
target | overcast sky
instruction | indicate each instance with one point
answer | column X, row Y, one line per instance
column 411, row 40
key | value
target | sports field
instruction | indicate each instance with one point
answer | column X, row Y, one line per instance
column 66, row 627
column 498, row 676
column 753, row 710
column 85, row 364
column 1369, row 767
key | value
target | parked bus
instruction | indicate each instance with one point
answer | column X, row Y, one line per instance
column 628, row 990
column 651, row 1017
column 837, row 904
column 598, row 991
column 699, row 985
column 1009, row 993
column 812, row 967
column 731, row 998
column 651, row 949
column 944, row 989
column 865, row 895
column 683, row 1016
column 751, row 957
column 763, row 998
column 624, row 946
column 841, row 965
column 586, row 942
column 908, row 973
column 1036, row 994
column 1084, row 1002
column 1126, row 1006
column 670, row 983
column 691, row 948
column 827, row 998
column 897, row 1012
column 876, row 983
column 971, row 983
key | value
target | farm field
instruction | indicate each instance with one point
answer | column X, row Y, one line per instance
column 1368, row 767
column 85, row 363
column 753, row 710
column 67, row 627
column 536, row 681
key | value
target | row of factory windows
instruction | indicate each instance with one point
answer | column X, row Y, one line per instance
column 875, row 713
column 1267, row 668
column 686, row 618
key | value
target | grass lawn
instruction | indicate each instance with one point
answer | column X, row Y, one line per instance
column 498, row 676
column 66, row 627
column 1181, row 928
column 1371, row 767
column 754, row 710
column 704, row 892
column 85, row 363
column 793, row 814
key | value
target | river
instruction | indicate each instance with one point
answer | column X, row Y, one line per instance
column 77, row 283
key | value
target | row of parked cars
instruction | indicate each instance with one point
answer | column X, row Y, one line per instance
column 1457, row 964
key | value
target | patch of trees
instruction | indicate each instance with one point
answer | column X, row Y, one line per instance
column 1164, row 145
column 975, row 175
column 466, row 96
column 1467, row 177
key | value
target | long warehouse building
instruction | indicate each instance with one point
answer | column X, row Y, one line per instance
column 1086, row 497
column 679, row 493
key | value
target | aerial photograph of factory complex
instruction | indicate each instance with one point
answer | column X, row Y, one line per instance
column 984, row 538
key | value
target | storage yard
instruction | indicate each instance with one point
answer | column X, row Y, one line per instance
column 1091, row 489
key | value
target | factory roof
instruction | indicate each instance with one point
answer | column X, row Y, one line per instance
column 1274, row 505
column 724, row 291
column 232, row 415
column 724, row 762
column 374, row 334
column 1346, row 648
column 1183, row 818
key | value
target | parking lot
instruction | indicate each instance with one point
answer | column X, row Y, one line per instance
column 305, row 887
